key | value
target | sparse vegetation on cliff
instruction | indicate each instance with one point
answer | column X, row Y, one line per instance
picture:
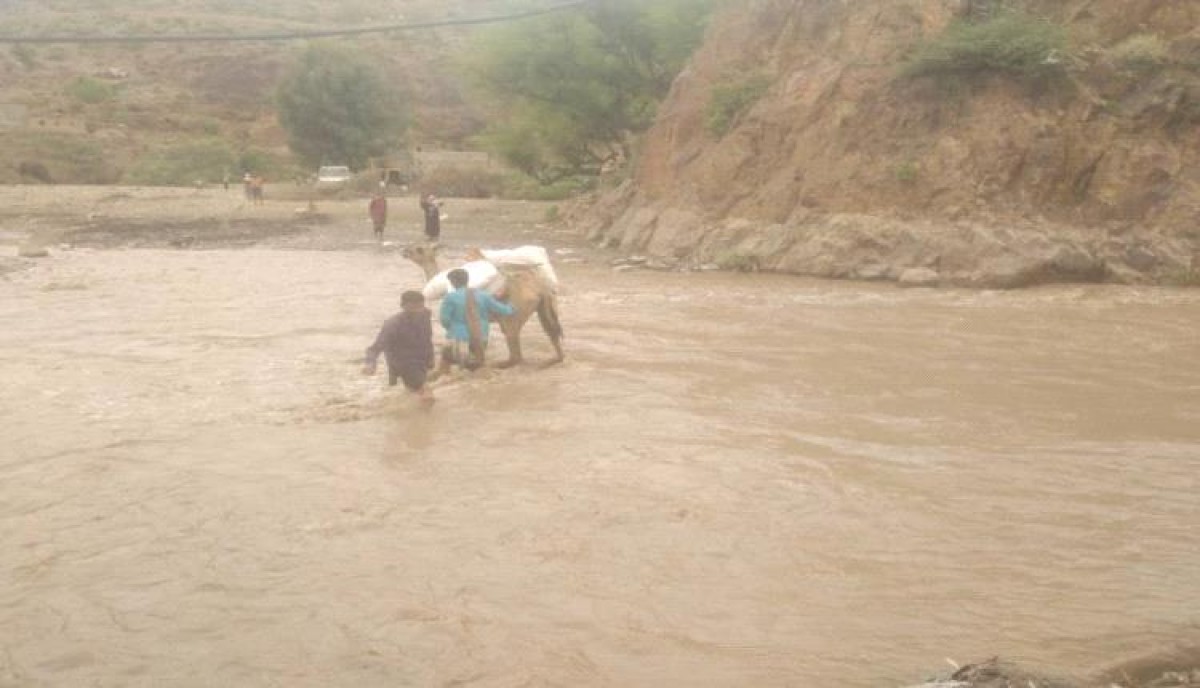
column 90, row 91
column 730, row 99
column 1141, row 52
column 1009, row 42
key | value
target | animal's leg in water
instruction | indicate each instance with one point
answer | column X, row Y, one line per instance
column 558, row 353
column 548, row 316
column 512, row 337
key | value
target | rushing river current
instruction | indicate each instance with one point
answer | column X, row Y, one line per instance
column 732, row 481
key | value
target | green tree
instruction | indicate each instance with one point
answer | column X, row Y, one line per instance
column 337, row 108
column 574, row 87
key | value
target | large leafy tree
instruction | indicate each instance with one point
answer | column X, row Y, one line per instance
column 337, row 108
column 575, row 86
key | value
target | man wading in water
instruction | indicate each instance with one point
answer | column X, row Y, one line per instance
column 406, row 341
column 465, row 314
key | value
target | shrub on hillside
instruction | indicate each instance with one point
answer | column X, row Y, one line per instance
column 183, row 165
column 65, row 158
column 730, row 99
column 35, row 171
column 206, row 161
column 479, row 183
column 462, row 182
column 1144, row 51
column 524, row 188
column 90, row 91
column 24, row 54
column 270, row 166
column 1010, row 42
column 906, row 172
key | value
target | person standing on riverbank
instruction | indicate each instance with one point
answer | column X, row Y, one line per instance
column 378, row 210
column 432, row 209
column 256, row 189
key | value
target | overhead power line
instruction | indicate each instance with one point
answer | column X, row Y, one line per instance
column 297, row 35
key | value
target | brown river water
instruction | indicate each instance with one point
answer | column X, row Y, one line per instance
column 733, row 481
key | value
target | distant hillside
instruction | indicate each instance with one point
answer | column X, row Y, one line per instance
column 798, row 140
column 92, row 110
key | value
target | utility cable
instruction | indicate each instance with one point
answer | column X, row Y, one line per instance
column 299, row 35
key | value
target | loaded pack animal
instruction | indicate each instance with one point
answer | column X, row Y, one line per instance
column 526, row 290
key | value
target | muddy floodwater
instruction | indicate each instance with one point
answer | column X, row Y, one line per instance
column 733, row 481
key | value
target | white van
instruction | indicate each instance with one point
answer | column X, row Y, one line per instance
column 333, row 174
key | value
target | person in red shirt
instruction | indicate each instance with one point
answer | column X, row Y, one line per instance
column 378, row 211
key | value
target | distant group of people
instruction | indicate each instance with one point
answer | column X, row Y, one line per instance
column 406, row 339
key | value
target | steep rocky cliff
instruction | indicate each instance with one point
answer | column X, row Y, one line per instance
column 843, row 167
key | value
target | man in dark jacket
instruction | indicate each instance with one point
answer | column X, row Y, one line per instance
column 406, row 341
column 431, row 207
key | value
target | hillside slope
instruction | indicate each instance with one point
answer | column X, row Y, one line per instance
column 843, row 168
column 93, row 111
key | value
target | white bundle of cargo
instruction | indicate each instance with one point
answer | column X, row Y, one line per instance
column 482, row 275
column 487, row 272
column 524, row 257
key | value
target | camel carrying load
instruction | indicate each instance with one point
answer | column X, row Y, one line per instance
column 523, row 276
column 487, row 268
column 522, row 257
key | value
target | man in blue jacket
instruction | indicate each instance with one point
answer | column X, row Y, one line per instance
column 466, row 315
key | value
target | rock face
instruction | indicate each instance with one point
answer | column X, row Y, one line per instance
column 845, row 169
